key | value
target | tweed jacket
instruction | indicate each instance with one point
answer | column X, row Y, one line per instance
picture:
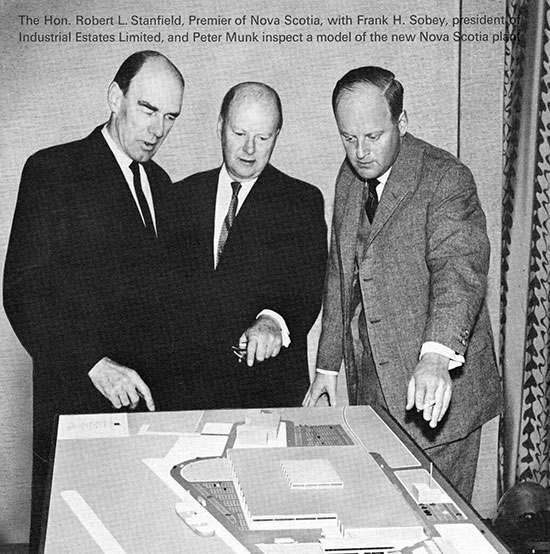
column 425, row 275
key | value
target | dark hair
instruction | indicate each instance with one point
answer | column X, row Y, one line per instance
column 378, row 77
column 131, row 66
column 254, row 90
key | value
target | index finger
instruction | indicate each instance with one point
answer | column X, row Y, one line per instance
column 440, row 405
column 446, row 402
column 410, row 393
column 251, row 351
column 145, row 393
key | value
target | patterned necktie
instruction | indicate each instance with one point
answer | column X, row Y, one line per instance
column 143, row 206
column 229, row 218
column 372, row 200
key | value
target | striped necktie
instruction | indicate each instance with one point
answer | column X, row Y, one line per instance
column 229, row 218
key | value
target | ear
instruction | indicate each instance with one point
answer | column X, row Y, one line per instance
column 114, row 97
column 219, row 127
column 403, row 123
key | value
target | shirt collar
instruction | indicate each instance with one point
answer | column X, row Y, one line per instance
column 384, row 177
column 122, row 158
column 226, row 179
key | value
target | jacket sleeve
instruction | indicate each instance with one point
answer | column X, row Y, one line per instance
column 39, row 303
column 457, row 256
column 301, row 266
column 331, row 343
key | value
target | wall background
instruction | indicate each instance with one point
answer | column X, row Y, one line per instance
column 56, row 92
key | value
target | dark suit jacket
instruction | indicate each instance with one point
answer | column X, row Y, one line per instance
column 82, row 279
column 274, row 258
column 427, row 258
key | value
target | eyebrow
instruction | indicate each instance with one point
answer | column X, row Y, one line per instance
column 146, row 104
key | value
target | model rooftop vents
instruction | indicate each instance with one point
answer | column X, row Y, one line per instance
column 311, row 474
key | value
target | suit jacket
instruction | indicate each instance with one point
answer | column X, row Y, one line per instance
column 82, row 279
column 274, row 258
column 426, row 262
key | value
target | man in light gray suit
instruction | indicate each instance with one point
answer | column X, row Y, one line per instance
column 404, row 297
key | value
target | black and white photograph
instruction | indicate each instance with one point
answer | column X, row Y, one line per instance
column 275, row 277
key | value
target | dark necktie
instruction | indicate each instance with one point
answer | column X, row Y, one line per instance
column 229, row 218
column 372, row 200
column 144, row 207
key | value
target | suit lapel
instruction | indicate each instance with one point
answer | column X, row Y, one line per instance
column 352, row 191
column 108, row 174
column 207, row 209
column 403, row 180
column 262, row 199
column 198, row 215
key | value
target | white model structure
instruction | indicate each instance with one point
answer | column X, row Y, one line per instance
column 338, row 489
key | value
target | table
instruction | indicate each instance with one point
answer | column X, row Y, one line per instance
column 279, row 481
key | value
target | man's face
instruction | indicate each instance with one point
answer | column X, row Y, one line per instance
column 142, row 118
column 248, row 135
column 371, row 140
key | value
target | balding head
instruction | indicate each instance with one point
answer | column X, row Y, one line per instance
column 145, row 99
column 248, row 125
column 251, row 91
column 133, row 63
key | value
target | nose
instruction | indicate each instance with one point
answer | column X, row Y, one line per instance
column 156, row 126
column 250, row 146
column 362, row 149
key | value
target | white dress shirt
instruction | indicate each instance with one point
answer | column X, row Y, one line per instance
column 124, row 162
column 223, row 199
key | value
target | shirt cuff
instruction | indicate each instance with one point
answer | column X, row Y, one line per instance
column 285, row 333
column 97, row 364
column 455, row 360
column 326, row 371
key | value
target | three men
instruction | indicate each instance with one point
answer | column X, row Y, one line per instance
column 254, row 240
column 86, row 268
column 404, row 299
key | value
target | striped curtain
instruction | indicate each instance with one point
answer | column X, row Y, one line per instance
column 525, row 275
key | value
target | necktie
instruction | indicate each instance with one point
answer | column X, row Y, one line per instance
column 372, row 200
column 144, row 207
column 229, row 218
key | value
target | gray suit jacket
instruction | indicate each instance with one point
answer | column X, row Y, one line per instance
column 427, row 259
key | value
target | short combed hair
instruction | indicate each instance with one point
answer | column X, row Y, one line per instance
column 131, row 66
column 254, row 90
column 383, row 79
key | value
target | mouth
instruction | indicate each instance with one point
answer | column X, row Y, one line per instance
column 149, row 145
column 247, row 162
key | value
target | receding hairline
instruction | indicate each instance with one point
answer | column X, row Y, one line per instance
column 357, row 88
column 252, row 91
column 165, row 64
column 134, row 63
column 380, row 78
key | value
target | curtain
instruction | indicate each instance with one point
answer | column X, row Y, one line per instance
column 525, row 272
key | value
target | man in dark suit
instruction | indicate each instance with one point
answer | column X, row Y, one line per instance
column 85, row 269
column 255, row 239
column 404, row 299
